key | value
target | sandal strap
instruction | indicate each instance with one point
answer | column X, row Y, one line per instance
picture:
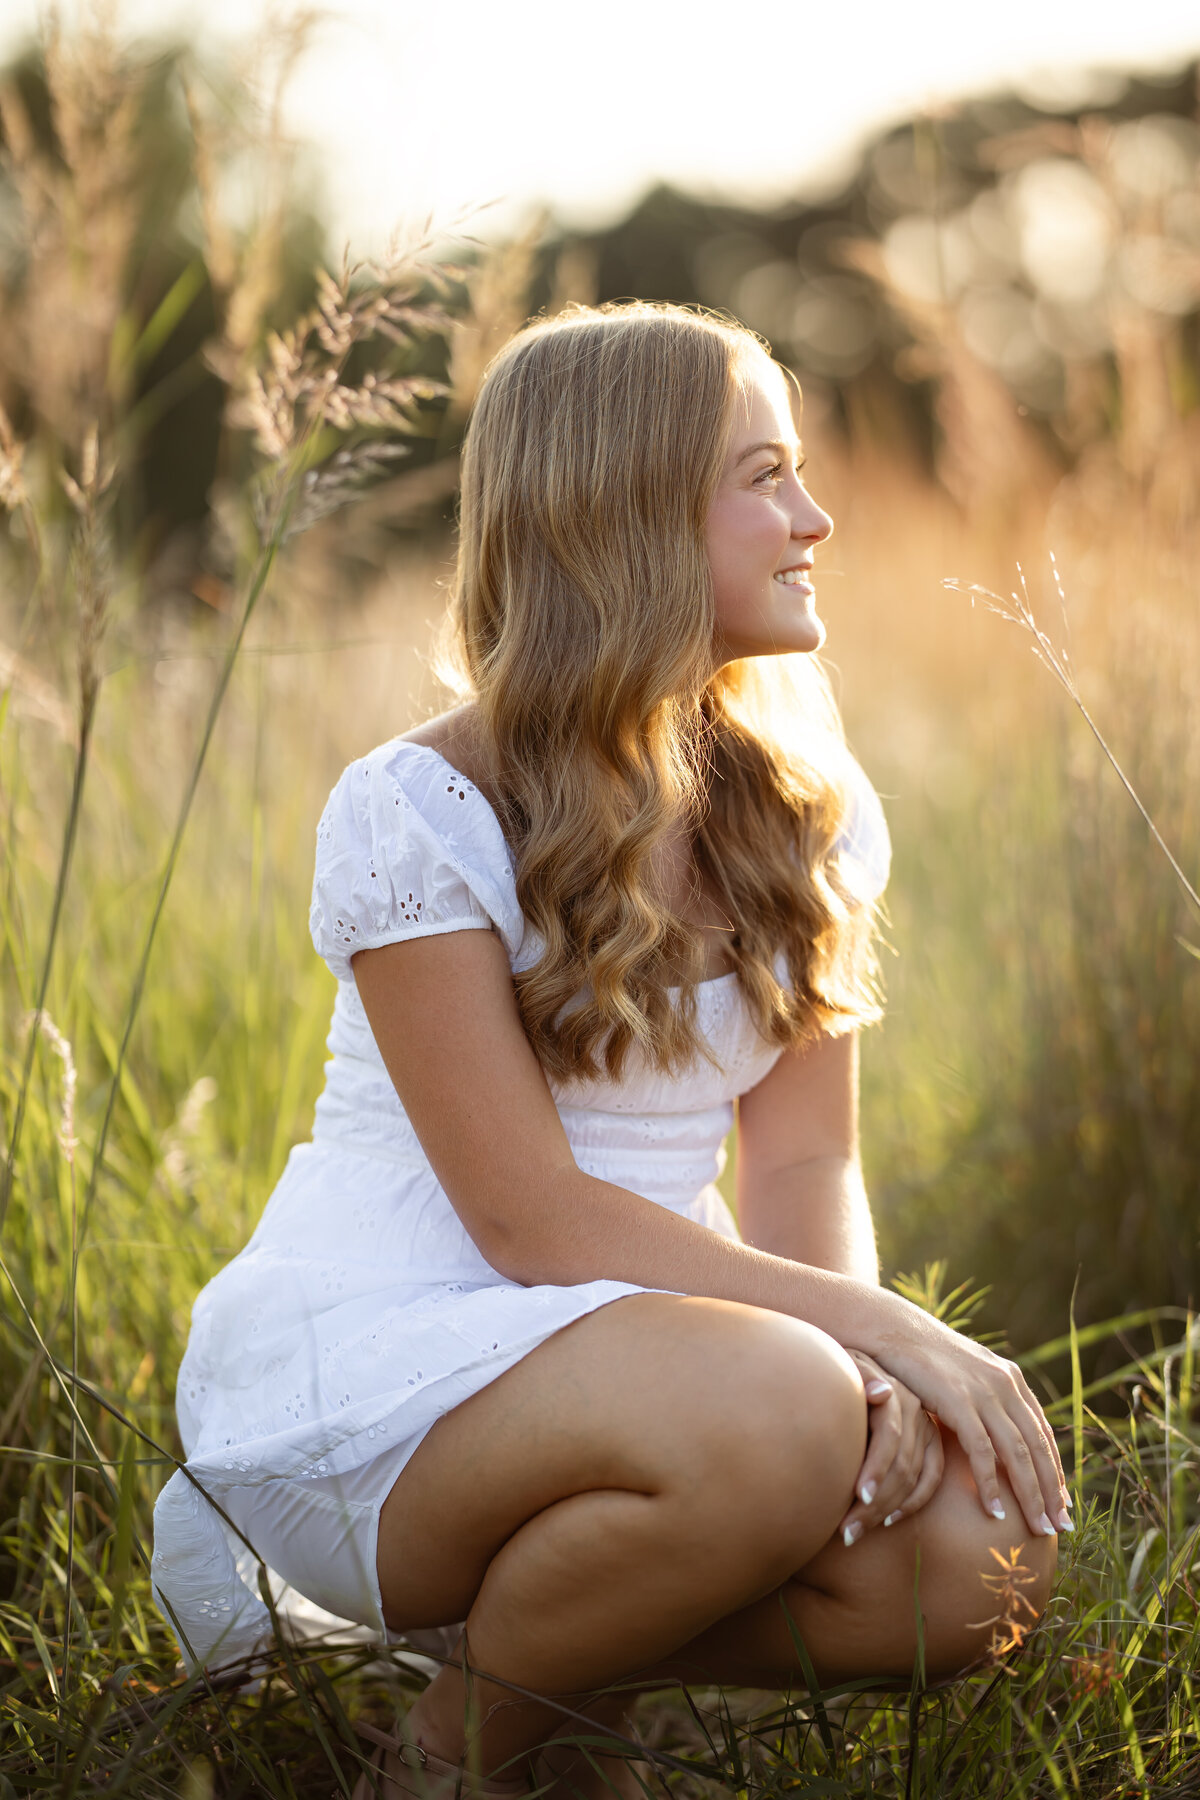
column 485, row 1787
column 415, row 1757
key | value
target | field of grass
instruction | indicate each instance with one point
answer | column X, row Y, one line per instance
column 1030, row 1121
column 1029, row 914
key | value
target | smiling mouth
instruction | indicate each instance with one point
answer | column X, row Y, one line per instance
column 793, row 577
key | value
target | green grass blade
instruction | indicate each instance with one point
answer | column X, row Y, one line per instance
column 1076, row 1403
column 815, row 1693
column 122, row 1556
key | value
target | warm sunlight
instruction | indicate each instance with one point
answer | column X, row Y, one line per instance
column 599, row 899
column 413, row 106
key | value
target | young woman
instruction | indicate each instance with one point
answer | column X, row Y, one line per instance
column 497, row 1351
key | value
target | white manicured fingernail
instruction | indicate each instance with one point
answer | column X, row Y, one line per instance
column 996, row 1510
column 852, row 1533
column 866, row 1492
column 892, row 1517
column 1064, row 1521
column 1045, row 1527
column 875, row 1390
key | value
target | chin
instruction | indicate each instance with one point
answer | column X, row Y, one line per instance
column 799, row 637
column 803, row 640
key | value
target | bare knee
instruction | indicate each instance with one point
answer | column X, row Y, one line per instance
column 984, row 1583
column 977, row 1584
column 748, row 1426
column 780, row 1415
column 775, row 1391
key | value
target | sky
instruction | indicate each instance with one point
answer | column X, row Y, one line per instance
column 415, row 106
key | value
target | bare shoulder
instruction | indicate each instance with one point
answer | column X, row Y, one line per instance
column 455, row 736
column 452, row 730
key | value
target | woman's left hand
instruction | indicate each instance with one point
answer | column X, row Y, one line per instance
column 904, row 1460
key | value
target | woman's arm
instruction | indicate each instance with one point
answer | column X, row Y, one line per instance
column 445, row 1018
column 444, row 1015
column 799, row 1180
column 801, row 1195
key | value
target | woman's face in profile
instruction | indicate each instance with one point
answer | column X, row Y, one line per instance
column 763, row 528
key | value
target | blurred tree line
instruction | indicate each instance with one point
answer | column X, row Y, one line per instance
column 1002, row 291
column 1002, row 303
column 156, row 227
column 999, row 289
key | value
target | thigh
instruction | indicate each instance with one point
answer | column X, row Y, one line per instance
column 650, row 1390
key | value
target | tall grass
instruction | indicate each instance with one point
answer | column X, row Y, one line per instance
column 1031, row 1102
column 1029, row 1110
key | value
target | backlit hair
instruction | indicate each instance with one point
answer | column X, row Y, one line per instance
column 583, row 608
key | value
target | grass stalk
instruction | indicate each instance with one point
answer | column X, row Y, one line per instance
column 74, row 813
column 1018, row 610
column 256, row 585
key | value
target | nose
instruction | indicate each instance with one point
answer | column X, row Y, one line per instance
column 810, row 521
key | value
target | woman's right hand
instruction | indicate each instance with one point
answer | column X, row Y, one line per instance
column 988, row 1404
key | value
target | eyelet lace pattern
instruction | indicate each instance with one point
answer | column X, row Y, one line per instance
column 361, row 1311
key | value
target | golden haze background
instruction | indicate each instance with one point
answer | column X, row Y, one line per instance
column 997, row 325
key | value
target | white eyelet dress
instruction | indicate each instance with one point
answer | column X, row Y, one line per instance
column 361, row 1312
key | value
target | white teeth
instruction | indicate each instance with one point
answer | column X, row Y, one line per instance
column 793, row 577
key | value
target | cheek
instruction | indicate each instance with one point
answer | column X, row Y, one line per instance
column 743, row 540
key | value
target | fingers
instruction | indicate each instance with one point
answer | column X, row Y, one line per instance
column 992, row 1439
column 1025, row 1444
column 1047, row 1462
column 928, row 1480
column 987, row 1403
column 977, row 1443
column 1032, row 1473
column 876, row 1486
column 897, row 1450
column 877, row 1384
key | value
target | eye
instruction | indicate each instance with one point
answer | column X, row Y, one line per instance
column 773, row 474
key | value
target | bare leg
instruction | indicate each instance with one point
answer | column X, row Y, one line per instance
column 645, row 1473
column 855, row 1610
column 564, row 1771
column 855, row 1613
column 635, row 1497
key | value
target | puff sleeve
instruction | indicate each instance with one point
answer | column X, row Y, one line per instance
column 392, row 860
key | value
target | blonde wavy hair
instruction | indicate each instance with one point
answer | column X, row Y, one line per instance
column 582, row 610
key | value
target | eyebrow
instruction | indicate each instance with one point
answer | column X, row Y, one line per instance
column 775, row 444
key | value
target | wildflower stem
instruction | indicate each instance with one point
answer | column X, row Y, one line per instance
column 74, row 810
column 1018, row 611
column 257, row 583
